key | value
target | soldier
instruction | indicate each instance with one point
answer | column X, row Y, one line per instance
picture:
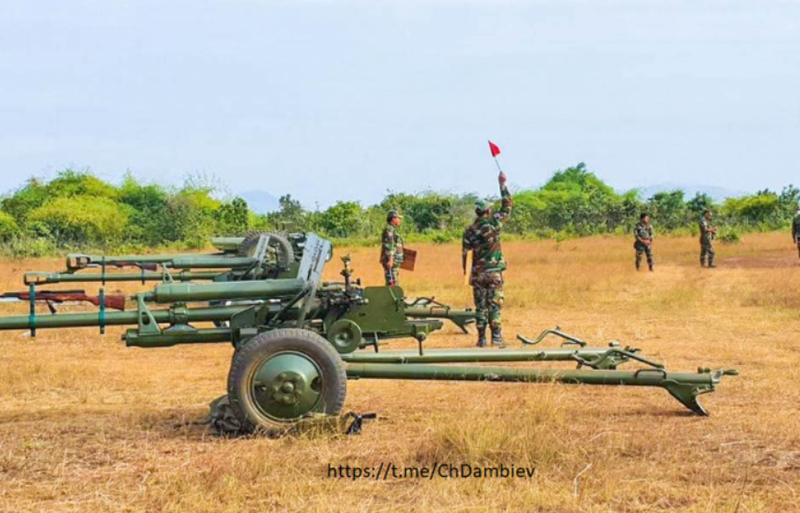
column 392, row 248
column 482, row 238
column 796, row 229
column 707, row 235
column 643, row 232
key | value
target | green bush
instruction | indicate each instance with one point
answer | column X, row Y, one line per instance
column 234, row 217
column 148, row 222
column 28, row 198
column 70, row 183
column 79, row 209
column 342, row 219
column 29, row 247
column 443, row 237
column 763, row 208
column 669, row 210
column 8, row 226
column 729, row 236
column 83, row 220
column 191, row 217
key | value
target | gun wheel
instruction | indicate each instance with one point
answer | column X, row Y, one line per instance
column 282, row 377
column 284, row 248
column 345, row 335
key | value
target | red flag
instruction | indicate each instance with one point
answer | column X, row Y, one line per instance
column 494, row 149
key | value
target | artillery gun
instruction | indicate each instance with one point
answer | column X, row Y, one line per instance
column 253, row 257
column 298, row 339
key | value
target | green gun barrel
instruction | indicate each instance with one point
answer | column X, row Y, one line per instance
column 42, row 278
column 266, row 289
column 167, row 293
column 228, row 244
column 82, row 320
column 77, row 261
column 212, row 262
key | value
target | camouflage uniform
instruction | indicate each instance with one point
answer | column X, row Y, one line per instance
column 706, row 243
column 796, row 231
column 643, row 231
column 391, row 249
column 482, row 238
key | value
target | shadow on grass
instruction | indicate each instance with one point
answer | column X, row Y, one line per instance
column 752, row 262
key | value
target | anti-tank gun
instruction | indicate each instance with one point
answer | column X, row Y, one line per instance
column 298, row 339
column 253, row 257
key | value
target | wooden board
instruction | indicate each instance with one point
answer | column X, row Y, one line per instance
column 409, row 259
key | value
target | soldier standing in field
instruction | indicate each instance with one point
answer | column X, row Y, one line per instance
column 796, row 230
column 643, row 232
column 482, row 238
column 707, row 235
column 392, row 248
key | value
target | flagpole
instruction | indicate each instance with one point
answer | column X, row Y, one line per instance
column 495, row 152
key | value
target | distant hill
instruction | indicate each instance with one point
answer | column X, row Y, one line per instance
column 716, row 193
column 260, row 202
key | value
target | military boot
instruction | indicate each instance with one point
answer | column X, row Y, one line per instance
column 497, row 338
column 481, row 336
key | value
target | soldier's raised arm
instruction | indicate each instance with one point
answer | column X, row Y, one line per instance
column 506, row 202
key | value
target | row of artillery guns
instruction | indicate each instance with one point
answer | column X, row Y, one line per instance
column 298, row 339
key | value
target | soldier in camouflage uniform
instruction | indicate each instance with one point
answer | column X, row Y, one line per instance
column 707, row 235
column 482, row 238
column 392, row 248
column 643, row 232
column 796, row 230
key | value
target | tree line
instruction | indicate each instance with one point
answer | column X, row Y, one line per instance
column 79, row 210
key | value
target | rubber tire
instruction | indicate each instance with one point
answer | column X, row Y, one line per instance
column 333, row 376
column 275, row 239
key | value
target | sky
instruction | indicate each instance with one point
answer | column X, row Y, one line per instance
column 345, row 99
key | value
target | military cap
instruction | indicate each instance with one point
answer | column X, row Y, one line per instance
column 392, row 214
column 482, row 205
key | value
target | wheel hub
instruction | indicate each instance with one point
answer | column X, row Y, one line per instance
column 286, row 386
column 345, row 335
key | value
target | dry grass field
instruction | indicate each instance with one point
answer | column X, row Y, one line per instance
column 88, row 425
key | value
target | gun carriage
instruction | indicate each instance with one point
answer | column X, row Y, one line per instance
column 298, row 339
